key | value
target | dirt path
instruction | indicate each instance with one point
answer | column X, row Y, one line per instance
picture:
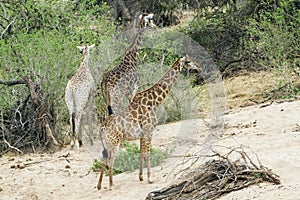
column 272, row 132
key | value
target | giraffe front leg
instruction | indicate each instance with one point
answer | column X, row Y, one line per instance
column 147, row 157
column 141, row 159
column 145, row 145
column 101, row 176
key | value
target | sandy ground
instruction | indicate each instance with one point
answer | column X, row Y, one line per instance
column 271, row 131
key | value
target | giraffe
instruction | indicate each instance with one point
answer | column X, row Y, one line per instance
column 139, row 120
column 123, row 79
column 79, row 95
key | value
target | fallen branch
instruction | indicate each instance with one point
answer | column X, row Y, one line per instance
column 216, row 177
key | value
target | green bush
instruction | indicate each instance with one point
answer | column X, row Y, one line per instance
column 276, row 36
column 241, row 37
column 253, row 36
column 128, row 159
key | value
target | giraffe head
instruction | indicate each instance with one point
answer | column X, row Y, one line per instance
column 146, row 20
column 85, row 48
column 187, row 63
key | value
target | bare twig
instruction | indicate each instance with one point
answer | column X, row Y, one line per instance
column 7, row 27
column 12, row 147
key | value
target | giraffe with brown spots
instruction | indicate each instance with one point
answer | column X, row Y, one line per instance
column 139, row 120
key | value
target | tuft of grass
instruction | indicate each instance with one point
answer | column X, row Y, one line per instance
column 128, row 158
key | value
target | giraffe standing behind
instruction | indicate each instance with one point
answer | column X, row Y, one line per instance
column 139, row 120
column 123, row 79
column 79, row 95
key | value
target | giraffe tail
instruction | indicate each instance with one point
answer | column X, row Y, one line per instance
column 110, row 111
column 106, row 95
column 73, row 123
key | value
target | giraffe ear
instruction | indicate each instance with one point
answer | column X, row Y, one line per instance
column 149, row 20
column 80, row 48
column 91, row 46
column 150, row 16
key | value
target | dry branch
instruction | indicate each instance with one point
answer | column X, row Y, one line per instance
column 217, row 177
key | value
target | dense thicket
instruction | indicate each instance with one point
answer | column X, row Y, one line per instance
column 38, row 39
column 249, row 35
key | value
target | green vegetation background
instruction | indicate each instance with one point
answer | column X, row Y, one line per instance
column 39, row 38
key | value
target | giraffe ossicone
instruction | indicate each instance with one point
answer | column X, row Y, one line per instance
column 82, row 48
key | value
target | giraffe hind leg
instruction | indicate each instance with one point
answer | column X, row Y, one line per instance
column 90, row 120
column 101, row 176
column 79, row 134
column 110, row 178
column 72, row 121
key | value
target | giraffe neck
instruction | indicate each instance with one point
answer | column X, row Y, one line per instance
column 131, row 53
column 85, row 59
column 158, row 92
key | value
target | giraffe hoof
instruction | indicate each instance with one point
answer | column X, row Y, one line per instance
column 99, row 187
column 141, row 177
column 150, row 181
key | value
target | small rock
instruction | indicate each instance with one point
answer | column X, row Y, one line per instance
column 21, row 166
column 68, row 167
